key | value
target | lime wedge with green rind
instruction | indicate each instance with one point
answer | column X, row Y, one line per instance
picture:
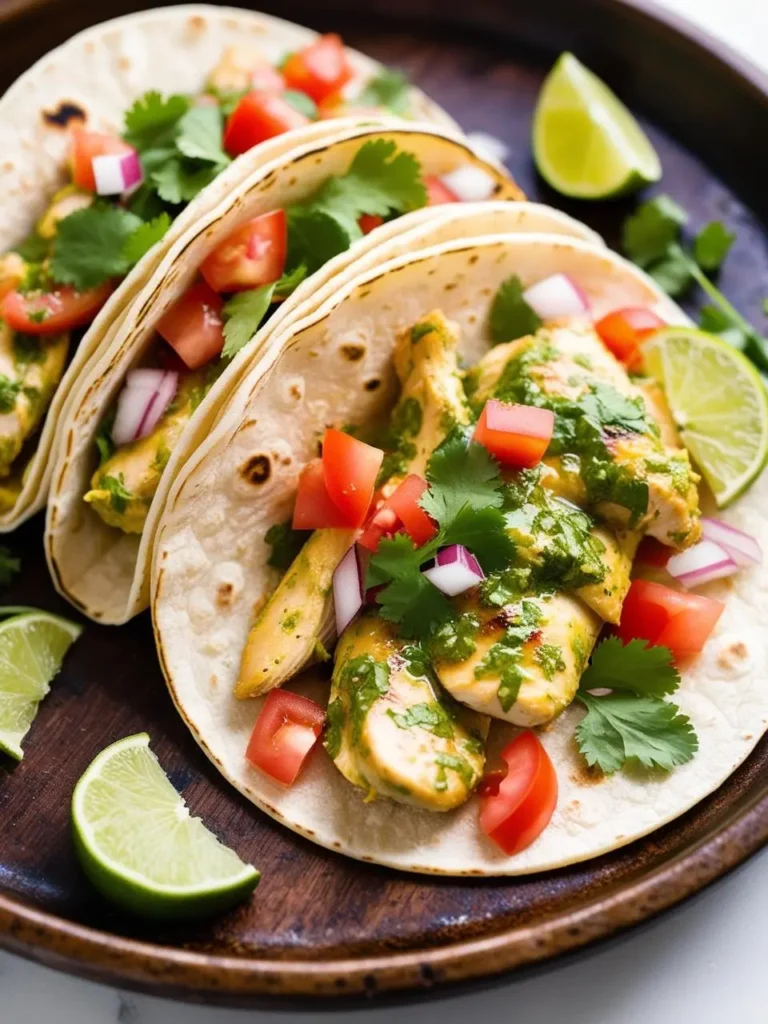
column 586, row 143
column 140, row 846
column 719, row 403
column 32, row 648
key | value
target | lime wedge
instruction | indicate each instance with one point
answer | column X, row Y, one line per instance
column 32, row 648
column 719, row 402
column 586, row 144
column 139, row 845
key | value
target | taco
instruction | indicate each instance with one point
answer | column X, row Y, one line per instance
column 294, row 224
column 465, row 728
column 77, row 243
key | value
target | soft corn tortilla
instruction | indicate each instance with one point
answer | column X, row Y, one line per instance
column 210, row 573
column 99, row 73
column 104, row 571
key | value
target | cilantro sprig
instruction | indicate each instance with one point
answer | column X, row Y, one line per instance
column 389, row 89
column 511, row 317
column 632, row 724
column 465, row 498
column 652, row 238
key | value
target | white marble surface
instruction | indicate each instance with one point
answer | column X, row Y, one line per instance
column 703, row 963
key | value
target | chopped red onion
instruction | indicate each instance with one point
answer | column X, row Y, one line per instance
column 557, row 296
column 488, row 146
column 348, row 592
column 704, row 562
column 742, row 548
column 455, row 570
column 141, row 403
column 470, row 184
column 117, row 172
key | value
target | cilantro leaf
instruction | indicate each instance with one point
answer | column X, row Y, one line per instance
column 104, row 442
column 389, row 89
column 653, row 227
column 144, row 237
column 314, row 237
column 9, row 390
column 286, row 543
column 461, row 475
column 483, row 532
column 433, row 717
column 243, row 315
column 642, row 670
column 90, row 244
column 9, row 565
column 200, row 135
column 511, row 316
column 712, row 245
column 622, row 727
column 34, row 248
column 153, row 120
column 673, row 272
column 301, row 102
column 119, row 494
column 179, row 181
column 290, row 281
column 412, row 600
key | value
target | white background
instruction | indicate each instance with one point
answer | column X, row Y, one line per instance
column 705, row 962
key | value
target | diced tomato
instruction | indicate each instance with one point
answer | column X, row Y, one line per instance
column 668, row 618
column 193, row 325
column 314, row 509
column 400, row 510
column 83, row 147
column 286, row 730
column 623, row 331
column 266, row 78
column 369, row 221
column 253, row 255
column 653, row 552
column 321, row 70
column 525, row 802
column 350, row 467
column 438, row 193
column 53, row 312
column 517, row 435
column 257, row 117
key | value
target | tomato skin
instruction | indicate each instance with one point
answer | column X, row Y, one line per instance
column 350, row 468
column 517, row 435
column 65, row 309
column 193, row 325
column 314, row 509
column 369, row 221
column 320, row 70
column 623, row 331
column 669, row 618
column 438, row 193
column 266, row 78
column 401, row 509
column 257, row 117
column 252, row 256
column 83, row 147
column 526, row 798
column 287, row 729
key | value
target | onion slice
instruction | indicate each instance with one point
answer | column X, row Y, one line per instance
column 141, row 403
column 455, row 570
column 470, row 184
column 704, row 562
column 117, row 172
column 348, row 592
column 742, row 547
column 557, row 296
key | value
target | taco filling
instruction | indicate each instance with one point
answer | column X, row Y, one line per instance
column 465, row 564
column 123, row 192
column 259, row 265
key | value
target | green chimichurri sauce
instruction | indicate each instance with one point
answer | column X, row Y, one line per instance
column 406, row 424
column 505, row 656
column 362, row 681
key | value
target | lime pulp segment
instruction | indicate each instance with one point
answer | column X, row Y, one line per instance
column 586, row 143
column 141, row 847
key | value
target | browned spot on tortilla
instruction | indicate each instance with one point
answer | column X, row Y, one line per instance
column 256, row 470
column 352, row 352
column 473, row 259
column 124, row 64
column 373, row 384
column 295, row 392
column 450, row 286
column 214, row 682
column 196, row 23
column 364, row 293
column 586, row 776
column 731, row 655
column 224, row 595
column 64, row 115
column 574, row 805
column 292, row 182
column 471, row 319
column 6, row 166
column 257, row 607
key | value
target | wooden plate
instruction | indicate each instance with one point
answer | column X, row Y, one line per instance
column 321, row 924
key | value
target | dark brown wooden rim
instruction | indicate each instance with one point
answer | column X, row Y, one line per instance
column 168, row 971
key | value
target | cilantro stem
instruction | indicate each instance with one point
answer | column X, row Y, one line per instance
column 717, row 296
